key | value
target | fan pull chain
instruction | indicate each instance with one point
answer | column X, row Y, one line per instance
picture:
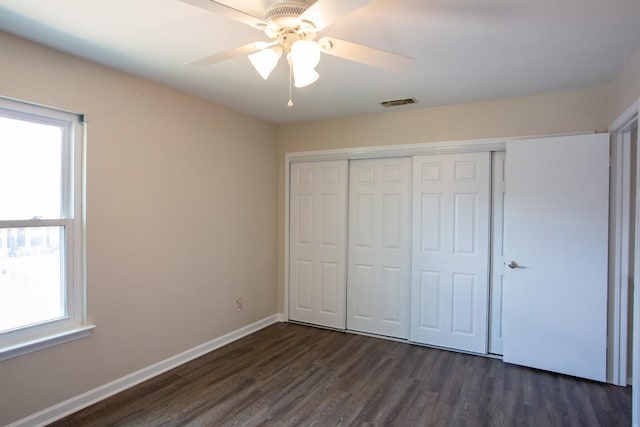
column 290, row 103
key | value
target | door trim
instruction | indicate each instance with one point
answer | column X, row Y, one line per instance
column 496, row 275
column 623, row 123
column 619, row 251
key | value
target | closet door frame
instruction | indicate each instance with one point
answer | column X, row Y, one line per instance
column 618, row 128
column 404, row 150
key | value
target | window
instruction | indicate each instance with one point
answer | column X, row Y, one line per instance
column 41, row 224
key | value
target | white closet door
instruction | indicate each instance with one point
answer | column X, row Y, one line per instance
column 379, row 272
column 317, row 244
column 497, row 252
column 449, row 285
column 556, row 234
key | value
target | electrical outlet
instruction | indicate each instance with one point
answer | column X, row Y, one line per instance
column 239, row 306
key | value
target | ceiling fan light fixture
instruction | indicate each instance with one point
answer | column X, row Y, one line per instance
column 292, row 26
column 265, row 60
column 304, row 56
column 305, row 77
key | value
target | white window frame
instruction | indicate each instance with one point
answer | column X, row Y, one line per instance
column 74, row 325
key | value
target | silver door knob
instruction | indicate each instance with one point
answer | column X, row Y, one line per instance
column 513, row 264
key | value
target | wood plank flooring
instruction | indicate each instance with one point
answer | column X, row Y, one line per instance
column 294, row 375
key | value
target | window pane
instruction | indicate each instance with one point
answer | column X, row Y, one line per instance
column 31, row 282
column 30, row 170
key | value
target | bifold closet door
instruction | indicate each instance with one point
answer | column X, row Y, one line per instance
column 450, row 265
column 379, row 254
column 317, row 243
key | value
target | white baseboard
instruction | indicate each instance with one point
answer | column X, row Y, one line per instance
column 84, row 400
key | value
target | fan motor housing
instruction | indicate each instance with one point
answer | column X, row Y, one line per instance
column 283, row 17
column 286, row 9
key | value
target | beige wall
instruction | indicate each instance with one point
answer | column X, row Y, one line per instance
column 173, row 235
column 575, row 111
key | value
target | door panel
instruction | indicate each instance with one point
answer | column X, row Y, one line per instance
column 449, row 296
column 391, row 291
column 379, row 269
column 556, row 229
column 464, row 289
column 318, row 243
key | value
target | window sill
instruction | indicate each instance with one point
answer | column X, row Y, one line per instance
column 50, row 340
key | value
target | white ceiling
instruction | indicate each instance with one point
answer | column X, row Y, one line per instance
column 465, row 50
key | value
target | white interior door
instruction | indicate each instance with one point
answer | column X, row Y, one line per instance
column 498, row 192
column 556, row 230
column 450, row 264
column 317, row 247
column 379, row 254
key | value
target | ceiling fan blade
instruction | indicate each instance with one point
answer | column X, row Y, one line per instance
column 325, row 12
column 238, row 51
column 227, row 11
column 365, row 55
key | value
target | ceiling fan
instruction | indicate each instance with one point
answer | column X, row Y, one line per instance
column 292, row 27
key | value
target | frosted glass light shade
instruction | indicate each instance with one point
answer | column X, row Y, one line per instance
column 265, row 60
column 305, row 55
column 305, row 77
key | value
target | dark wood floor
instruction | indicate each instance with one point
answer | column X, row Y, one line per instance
column 289, row 374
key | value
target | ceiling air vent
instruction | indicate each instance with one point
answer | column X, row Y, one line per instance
column 398, row 102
